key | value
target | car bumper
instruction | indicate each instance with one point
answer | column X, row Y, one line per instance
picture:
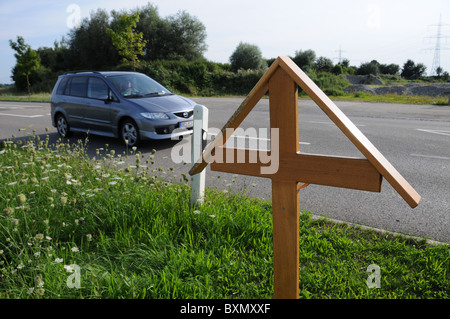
column 174, row 135
column 163, row 129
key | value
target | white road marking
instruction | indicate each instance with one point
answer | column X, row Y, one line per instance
column 252, row 138
column 440, row 132
column 19, row 115
column 330, row 123
column 431, row 156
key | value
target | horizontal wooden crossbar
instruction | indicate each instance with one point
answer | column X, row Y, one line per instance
column 345, row 172
column 377, row 159
column 384, row 167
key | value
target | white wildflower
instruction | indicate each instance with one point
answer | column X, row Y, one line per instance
column 68, row 268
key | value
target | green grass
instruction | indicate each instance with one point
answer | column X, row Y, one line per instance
column 392, row 98
column 134, row 235
column 37, row 97
column 8, row 94
column 362, row 97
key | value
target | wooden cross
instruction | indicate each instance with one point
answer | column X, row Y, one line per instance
column 282, row 80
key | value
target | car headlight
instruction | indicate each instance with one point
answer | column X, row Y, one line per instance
column 155, row 116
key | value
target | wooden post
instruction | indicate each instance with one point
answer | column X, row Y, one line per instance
column 285, row 198
column 281, row 80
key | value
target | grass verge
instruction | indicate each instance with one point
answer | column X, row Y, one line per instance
column 10, row 94
column 393, row 98
column 75, row 227
column 359, row 96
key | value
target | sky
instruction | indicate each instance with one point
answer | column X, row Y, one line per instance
column 389, row 31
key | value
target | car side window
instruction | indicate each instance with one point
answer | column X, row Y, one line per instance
column 97, row 88
column 78, row 86
column 62, row 86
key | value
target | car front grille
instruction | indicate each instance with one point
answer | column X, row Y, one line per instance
column 184, row 114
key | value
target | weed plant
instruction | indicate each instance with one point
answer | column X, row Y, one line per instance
column 123, row 232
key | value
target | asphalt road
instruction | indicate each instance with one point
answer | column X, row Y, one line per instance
column 415, row 139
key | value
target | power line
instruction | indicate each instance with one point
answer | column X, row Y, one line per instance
column 438, row 48
column 340, row 54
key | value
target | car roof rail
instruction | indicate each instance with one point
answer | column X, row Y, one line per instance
column 81, row 71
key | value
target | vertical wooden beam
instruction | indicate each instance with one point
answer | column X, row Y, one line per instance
column 283, row 97
column 285, row 206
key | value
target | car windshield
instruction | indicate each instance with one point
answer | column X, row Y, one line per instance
column 137, row 85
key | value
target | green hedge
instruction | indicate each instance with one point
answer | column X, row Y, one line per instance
column 200, row 78
column 204, row 78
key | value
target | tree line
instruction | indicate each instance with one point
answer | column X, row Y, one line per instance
column 247, row 55
column 141, row 39
column 90, row 46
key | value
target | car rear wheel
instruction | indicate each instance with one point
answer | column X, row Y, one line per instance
column 62, row 126
column 129, row 133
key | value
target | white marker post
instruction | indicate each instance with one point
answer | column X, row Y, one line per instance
column 199, row 137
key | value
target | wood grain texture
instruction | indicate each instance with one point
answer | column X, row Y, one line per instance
column 282, row 80
column 344, row 172
column 283, row 103
column 286, row 223
column 377, row 159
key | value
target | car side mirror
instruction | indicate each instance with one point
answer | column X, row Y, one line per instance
column 105, row 98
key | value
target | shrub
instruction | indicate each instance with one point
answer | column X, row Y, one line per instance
column 334, row 92
column 247, row 57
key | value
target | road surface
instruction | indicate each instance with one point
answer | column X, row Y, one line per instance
column 415, row 139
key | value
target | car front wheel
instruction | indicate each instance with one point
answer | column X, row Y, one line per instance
column 129, row 133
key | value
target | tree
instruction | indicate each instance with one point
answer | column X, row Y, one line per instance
column 176, row 37
column 323, row 64
column 412, row 71
column 129, row 44
column 27, row 59
column 391, row 69
column 337, row 69
column 247, row 56
column 369, row 68
column 187, row 37
column 90, row 47
column 304, row 59
column 345, row 63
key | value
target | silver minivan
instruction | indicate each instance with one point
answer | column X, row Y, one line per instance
column 126, row 105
